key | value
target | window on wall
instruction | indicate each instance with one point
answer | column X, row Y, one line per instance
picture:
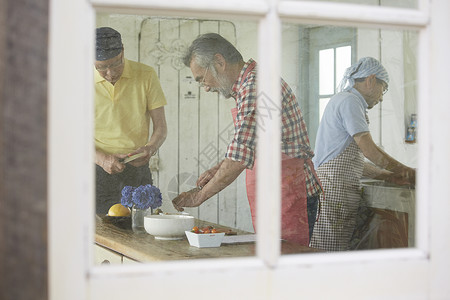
column 325, row 52
column 332, row 65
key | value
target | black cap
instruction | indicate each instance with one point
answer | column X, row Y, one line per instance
column 108, row 43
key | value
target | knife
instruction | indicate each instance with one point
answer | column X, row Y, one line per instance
column 133, row 157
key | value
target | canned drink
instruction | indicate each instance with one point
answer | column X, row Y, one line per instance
column 411, row 135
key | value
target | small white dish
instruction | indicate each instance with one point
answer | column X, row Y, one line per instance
column 205, row 240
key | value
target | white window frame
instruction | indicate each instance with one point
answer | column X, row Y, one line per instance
column 380, row 274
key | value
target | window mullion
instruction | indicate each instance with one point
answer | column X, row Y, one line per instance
column 346, row 14
column 269, row 137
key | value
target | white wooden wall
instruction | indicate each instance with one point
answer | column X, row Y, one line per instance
column 389, row 119
column 199, row 123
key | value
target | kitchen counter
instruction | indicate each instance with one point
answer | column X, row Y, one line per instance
column 383, row 195
column 393, row 224
column 144, row 247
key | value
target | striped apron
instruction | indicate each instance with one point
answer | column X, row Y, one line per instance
column 340, row 179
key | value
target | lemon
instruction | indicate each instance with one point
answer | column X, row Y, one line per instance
column 118, row 210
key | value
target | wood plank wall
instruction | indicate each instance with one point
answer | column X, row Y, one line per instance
column 23, row 149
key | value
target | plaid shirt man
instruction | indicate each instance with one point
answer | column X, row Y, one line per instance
column 295, row 141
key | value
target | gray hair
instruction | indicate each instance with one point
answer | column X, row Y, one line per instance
column 205, row 46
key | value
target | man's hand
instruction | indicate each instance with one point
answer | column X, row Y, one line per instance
column 187, row 199
column 141, row 161
column 111, row 163
column 222, row 175
column 381, row 159
column 207, row 176
column 408, row 175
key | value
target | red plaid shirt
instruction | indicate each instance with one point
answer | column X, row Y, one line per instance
column 294, row 140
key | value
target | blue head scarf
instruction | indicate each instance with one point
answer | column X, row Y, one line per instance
column 365, row 67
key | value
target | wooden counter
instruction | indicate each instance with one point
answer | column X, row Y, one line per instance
column 144, row 247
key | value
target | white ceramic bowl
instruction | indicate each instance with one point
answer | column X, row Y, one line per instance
column 168, row 227
column 205, row 240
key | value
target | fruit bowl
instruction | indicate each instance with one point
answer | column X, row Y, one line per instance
column 205, row 240
column 168, row 226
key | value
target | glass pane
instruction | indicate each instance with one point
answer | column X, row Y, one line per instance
column 343, row 61
column 326, row 72
column 367, row 203
column 391, row 3
column 200, row 128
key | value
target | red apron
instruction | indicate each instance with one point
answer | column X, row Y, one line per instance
column 294, row 217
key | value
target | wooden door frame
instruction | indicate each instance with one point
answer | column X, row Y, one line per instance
column 23, row 135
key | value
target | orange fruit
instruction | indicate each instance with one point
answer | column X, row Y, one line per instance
column 118, row 210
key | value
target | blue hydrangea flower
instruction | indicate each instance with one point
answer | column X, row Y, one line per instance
column 143, row 197
column 155, row 195
column 126, row 196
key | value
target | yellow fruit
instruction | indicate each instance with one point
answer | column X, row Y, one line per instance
column 118, row 210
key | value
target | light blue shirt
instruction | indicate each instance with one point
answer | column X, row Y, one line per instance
column 344, row 116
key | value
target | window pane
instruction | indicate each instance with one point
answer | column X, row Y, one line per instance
column 384, row 216
column 326, row 72
column 343, row 61
column 199, row 129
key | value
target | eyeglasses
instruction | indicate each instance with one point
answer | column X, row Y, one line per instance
column 202, row 83
column 385, row 86
column 111, row 66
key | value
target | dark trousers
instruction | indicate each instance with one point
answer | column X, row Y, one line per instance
column 312, row 205
column 109, row 187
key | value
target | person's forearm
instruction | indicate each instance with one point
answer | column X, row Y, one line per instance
column 372, row 171
column 376, row 155
column 206, row 176
column 228, row 171
column 156, row 140
column 159, row 133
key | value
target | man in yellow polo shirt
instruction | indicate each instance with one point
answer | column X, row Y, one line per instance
column 127, row 96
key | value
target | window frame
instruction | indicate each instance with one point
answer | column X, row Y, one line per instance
column 268, row 275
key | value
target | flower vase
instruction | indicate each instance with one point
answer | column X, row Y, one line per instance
column 137, row 219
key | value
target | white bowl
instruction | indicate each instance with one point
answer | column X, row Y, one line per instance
column 205, row 240
column 168, row 227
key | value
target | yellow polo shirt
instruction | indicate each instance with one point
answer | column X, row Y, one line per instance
column 122, row 118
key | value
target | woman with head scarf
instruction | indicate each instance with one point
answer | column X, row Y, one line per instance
column 343, row 142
